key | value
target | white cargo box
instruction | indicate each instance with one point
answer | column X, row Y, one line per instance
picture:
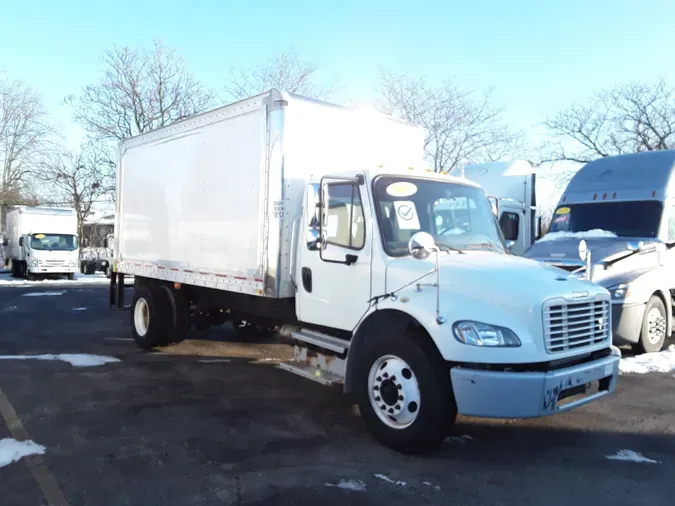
column 212, row 200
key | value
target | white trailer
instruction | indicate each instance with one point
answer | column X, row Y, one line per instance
column 511, row 188
column 41, row 241
column 284, row 214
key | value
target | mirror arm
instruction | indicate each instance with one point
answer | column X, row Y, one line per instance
column 439, row 319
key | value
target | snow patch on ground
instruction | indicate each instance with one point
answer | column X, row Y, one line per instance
column 80, row 279
column 429, row 484
column 631, row 456
column 596, row 233
column 43, row 294
column 662, row 361
column 353, row 485
column 389, row 480
column 79, row 309
column 74, row 359
column 12, row 450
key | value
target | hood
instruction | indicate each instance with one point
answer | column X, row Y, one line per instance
column 500, row 279
column 564, row 253
column 566, row 249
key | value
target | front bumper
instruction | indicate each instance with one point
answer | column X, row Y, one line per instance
column 502, row 394
column 58, row 269
column 627, row 322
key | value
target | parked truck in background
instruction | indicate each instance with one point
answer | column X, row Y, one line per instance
column 623, row 208
column 285, row 214
column 41, row 241
column 511, row 188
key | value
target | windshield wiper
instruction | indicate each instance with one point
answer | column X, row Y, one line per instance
column 447, row 249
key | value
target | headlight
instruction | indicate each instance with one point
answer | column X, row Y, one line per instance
column 482, row 334
column 619, row 292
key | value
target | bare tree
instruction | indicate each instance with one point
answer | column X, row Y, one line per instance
column 283, row 71
column 461, row 127
column 78, row 179
column 25, row 138
column 139, row 91
column 625, row 119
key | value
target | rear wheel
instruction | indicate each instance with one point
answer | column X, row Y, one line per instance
column 654, row 327
column 180, row 318
column 149, row 322
column 15, row 268
column 404, row 392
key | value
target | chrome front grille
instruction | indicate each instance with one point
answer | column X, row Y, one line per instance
column 573, row 325
column 54, row 263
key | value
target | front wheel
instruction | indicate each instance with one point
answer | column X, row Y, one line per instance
column 404, row 392
column 654, row 327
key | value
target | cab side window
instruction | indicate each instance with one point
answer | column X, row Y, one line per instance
column 344, row 223
column 509, row 223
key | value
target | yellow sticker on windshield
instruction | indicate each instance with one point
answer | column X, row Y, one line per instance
column 562, row 210
column 39, row 236
column 402, row 189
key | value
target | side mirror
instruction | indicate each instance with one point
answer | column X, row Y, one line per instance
column 313, row 239
column 5, row 242
column 634, row 245
column 494, row 204
column 20, row 241
column 583, row 250
column 421, row 245
column 510, row 245
column 537, row 227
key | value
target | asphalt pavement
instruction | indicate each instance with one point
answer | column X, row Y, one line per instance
column 213, row 421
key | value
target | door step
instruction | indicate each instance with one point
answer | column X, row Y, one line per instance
column 319, row 339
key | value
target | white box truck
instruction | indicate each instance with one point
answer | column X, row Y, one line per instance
column 623, row 209
column 510, row 186
column 283, row 213
column 41, row 241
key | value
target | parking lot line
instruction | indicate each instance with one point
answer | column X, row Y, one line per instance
column 36, row 464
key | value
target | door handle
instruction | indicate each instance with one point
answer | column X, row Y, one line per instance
column 306, row 274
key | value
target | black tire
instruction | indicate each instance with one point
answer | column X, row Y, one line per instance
column 437, row 408
column 158, row 317
column 71, row 276
column 645, row 345
column 16, row 269
column 107, row 271
column 251, row 332
column 180, row 318
column 90, row 268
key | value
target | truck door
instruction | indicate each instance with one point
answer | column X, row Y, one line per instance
column 334, row 274
column 514, row 226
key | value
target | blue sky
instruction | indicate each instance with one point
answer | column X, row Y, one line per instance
column 539, row 55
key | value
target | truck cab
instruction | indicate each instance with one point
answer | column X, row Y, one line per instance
column 623, row 208
column 511, row 186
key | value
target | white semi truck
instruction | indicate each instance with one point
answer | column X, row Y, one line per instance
column 287, row 214
column 623, row 209
column 41, row 241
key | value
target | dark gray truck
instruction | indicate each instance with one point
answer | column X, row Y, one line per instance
column 621, row 211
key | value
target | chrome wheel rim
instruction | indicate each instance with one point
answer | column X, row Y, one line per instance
column 141, row 317
column 394, row 392
column 656, row 326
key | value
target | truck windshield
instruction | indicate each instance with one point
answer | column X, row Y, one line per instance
column 53, row 242
column 625, row 219
column 457, row 216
